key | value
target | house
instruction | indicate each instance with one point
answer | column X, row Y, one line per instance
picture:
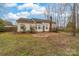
column 38, row 25
column 11, row 28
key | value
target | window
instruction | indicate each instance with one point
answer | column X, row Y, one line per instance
column 35, row 27
column 39, row 26
column 23, row 27
column 46, row 27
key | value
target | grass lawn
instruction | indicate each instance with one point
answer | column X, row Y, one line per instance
column 27, row 44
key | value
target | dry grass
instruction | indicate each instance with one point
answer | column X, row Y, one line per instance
column 27, row 44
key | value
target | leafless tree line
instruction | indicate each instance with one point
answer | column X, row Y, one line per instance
column 61, row 12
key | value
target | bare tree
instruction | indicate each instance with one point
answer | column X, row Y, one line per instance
column 49, row 16
column 74, row 19
column 50, row 24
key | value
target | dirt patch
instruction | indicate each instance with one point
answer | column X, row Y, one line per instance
column 44, row 34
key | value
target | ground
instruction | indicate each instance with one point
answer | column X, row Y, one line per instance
column 39, row 44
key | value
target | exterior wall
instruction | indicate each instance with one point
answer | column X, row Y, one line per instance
column 46, row 26
column 27, row 25
column 39, row 27
column 18, row 27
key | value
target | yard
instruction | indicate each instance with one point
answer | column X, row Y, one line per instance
column 35, row 44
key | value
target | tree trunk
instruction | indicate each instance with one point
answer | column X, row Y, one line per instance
column 74, row 19
column 50, row 24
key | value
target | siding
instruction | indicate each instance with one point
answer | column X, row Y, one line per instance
column 36, row 26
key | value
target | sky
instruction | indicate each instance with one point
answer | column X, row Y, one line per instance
column 14, row 11
column 39, row 1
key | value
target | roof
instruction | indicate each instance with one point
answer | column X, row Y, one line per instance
column 25, row 20
column 9, row 26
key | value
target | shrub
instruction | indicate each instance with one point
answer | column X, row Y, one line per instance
column 55, row 30
column 32, row 29
column 78, row 30
column 2, row 28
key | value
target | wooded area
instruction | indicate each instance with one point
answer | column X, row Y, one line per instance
column 66, row 13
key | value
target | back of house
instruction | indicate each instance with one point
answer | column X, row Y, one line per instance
column 37, row 25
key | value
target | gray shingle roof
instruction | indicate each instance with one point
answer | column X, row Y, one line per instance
column 25, row 20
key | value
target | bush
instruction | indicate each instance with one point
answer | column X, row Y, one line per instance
column 78, row 30
column 32, row 30
column 55, row 30
column 2, row 28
